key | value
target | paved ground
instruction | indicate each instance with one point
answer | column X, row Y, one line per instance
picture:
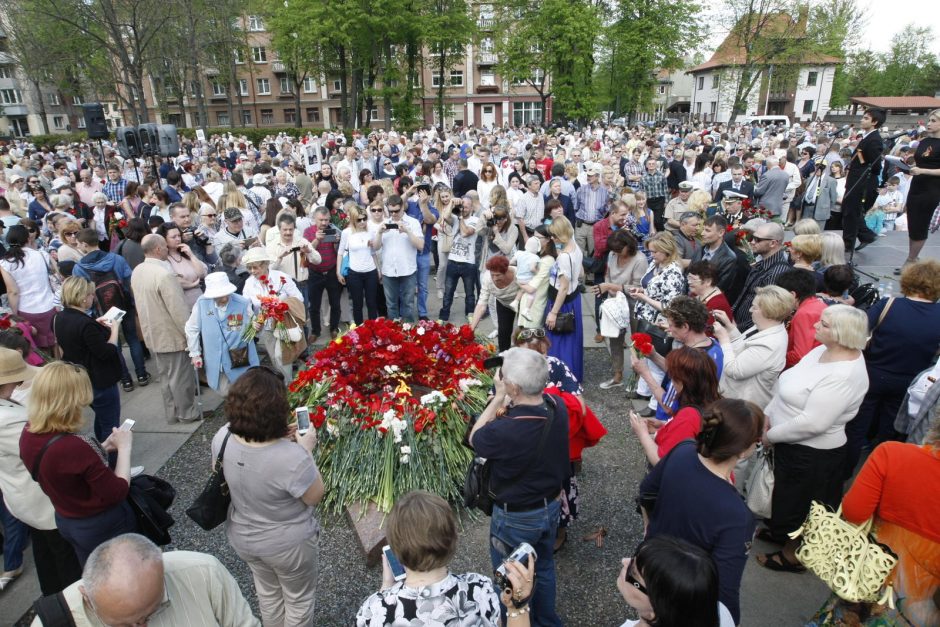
column 586, row 590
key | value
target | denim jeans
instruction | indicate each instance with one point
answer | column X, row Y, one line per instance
column 316, row 283
column 129, row 330
column 469, row 274
column 363, row 286
column 15, row 534
column 106, row 403
column 424, row 273
column 537, row 527
column 400, row 296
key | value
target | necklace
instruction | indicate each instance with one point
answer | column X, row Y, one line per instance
column 708, row 296
column 170, row 255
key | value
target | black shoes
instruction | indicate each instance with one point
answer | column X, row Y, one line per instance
column 144, row 380
column 127, row 386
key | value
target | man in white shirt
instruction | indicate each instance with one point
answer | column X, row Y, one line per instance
column 399, row 239
column 530, row 209
column 354, row 164
column 259, row 187
column 461, row 262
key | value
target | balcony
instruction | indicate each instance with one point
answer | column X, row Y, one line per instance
column 487, row 89
column 211, row 71
column 487, row 58
column 779, row 96
column 486, row 23
column 215, row 96
column 278, row 67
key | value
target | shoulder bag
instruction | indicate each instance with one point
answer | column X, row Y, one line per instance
column 210, row 509
column 662, row 341
column 476, row 491
column 238, row 356
column 564, row 321
column 759, row 484
column 845, row 556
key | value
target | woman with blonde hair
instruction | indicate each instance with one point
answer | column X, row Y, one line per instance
column 445, row 203
column 361, row 278
column 833, row 251
column 89, row 498
column 699, row 200
column 564, row 298
column 806, row 251
column 806, row 226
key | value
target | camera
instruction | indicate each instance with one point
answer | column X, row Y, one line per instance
column 493, row 362
column 295, row 249
column 425, row 188
column 391, row 226
column 520, row 554
column 491, row 222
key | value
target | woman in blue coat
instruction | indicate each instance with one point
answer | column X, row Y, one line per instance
column 219, row 319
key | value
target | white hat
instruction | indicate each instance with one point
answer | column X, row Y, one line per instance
column 61, row 183
column 218, row 285
column 732, row 195
column 256, row 255
column 595, row 169
column 259, row 179
column 686, row 186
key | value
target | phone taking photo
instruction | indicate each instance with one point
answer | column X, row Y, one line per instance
column 128, row 425
column 398, row 571
column 303, row 419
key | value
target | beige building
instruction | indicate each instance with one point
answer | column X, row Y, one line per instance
column 475, row 93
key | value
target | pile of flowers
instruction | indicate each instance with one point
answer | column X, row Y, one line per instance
column 391, row 402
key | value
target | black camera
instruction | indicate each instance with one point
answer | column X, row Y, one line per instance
column 391, row 225
column 491, row 222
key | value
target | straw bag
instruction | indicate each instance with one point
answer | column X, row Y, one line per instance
column 846, row 557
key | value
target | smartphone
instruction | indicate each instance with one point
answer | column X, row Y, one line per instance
column 128, row 425
column 391, row 225
column 492, row 362
column 303, row 419
column 114, row 315
column 520, row 554
column 398, row 571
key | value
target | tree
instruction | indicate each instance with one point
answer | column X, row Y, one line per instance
column 834, row 26
column 909, row 68
column 449, row 29
column 297, row 45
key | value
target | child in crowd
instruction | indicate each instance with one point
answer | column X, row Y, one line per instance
column 527, row 264
column 893, row 202
column 875, row 218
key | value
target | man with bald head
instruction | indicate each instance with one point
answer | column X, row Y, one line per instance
column 128, row 581
column 767, row 245
column 163, row 314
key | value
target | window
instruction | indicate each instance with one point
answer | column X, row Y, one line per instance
column 246, row 117
column 81, row 121
column 436, row 79
column 538, row 76
column 264, row 87
column 456, row 78
column 287, row 85
column 313, row 114
column 134, row 93
column 310, row 85
column 193, row 89
column 811, row 79
column 487, row 78
column 808, row 107
column 259, row 54
column 239, row 57
column 698, row 107
column 255, row 23
column 662, row 90
column 6, row 71
column 76, row 100
column 526, row 113
column 243, row 87
column 337, row 85
column 290, row 116
column 218, row 89
column 486, row 45
column 374, row 115
column 54, row 99
column 267, row 116
column 222, row 118
column 58, row 121
column 713, row 108
column 715, row 81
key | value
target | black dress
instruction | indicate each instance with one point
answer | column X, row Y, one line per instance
column 924, row 194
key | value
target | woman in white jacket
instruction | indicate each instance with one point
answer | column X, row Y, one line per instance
column 754, row 359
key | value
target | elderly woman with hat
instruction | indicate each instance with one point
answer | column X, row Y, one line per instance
column 219, row 319
column 265, row 282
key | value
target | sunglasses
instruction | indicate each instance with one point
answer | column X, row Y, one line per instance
column 631, row 578
column 529, row 334
column 754, row 238
column 394, row 210
column 376, row 210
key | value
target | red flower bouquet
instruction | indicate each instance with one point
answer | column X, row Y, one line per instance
column 642, row 346
column 392, row 401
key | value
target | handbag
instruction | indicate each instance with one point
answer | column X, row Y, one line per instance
column 845, row 556
column 150, row 497
column 344, row 265
column 564, row 321
column 210, row 509
column 662, row 342
column 238, row 356
column 476, row 490
column 759, row 485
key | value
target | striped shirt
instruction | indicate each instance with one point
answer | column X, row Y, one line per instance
column 590, row 203
column 114, row 190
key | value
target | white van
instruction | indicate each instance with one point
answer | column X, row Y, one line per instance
column 769, row 120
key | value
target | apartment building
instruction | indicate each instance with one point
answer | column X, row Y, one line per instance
column 475, row 94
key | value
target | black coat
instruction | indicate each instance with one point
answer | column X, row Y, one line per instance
column 747, row 188
column 727, row 263
column 85, row 342
column 465, row 181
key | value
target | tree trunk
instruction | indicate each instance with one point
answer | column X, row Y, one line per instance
column 440, row 88
column 386, row 72
column 299, row 119
column 343, row 87
column 42, row 107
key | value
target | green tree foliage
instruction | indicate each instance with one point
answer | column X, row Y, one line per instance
column 909, row 68
column 835, row 26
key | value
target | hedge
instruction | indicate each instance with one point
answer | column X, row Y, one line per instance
column 255, row 135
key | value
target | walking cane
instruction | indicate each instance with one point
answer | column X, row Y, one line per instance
column 198, row 391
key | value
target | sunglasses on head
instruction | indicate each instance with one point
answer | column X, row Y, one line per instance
column 529, row 334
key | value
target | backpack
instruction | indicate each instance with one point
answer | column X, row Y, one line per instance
column 109, row 291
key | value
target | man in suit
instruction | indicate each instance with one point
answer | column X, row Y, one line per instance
column 715, row 250
column 163, row 314
column 861, row 182
column 773, row 186
column 737, row 184
column 821, row 194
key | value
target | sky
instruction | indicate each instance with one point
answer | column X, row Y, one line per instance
column 885, row 19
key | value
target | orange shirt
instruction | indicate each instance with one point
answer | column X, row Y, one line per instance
column 901, row 484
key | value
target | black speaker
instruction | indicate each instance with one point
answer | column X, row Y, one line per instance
column 95, row 122
column 169, row 140
column 128, row 142
column 149, row 143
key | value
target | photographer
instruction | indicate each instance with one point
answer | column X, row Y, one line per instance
column 461, row 263
column 400, row 239
column 424, row 212
column 324, row 238
column 527, row 470
column 290, row 251
column 200, row 245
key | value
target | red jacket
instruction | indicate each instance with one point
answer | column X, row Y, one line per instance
column 802, row 334
column 584, row 429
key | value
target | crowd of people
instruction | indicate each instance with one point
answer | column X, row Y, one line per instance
column 678, row 233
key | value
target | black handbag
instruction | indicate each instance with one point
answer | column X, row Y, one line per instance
column 210, row 509
column 662, row 341
column 238, row 356
column 476, row 492
column 564, row 321
column 150, row 497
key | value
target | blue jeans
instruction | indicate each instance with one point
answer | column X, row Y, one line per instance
column 129, row 329
column 469, row 274
column 363, row 286
column 424, row 272
column 15, row 534
column 106, row 403
column 538, row 527
column 400, row 296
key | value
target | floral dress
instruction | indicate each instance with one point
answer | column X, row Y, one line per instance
column 662, row 285
column 455, row 601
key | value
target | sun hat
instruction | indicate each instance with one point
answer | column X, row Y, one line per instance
column 13, row 368
column 256, row 255
column 218, row 285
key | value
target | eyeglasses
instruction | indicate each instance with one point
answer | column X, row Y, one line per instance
column 754, row 238
column 394, row 210
column 529, row 334
column 631, row 578
column 376, row 210
column 360, row 220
